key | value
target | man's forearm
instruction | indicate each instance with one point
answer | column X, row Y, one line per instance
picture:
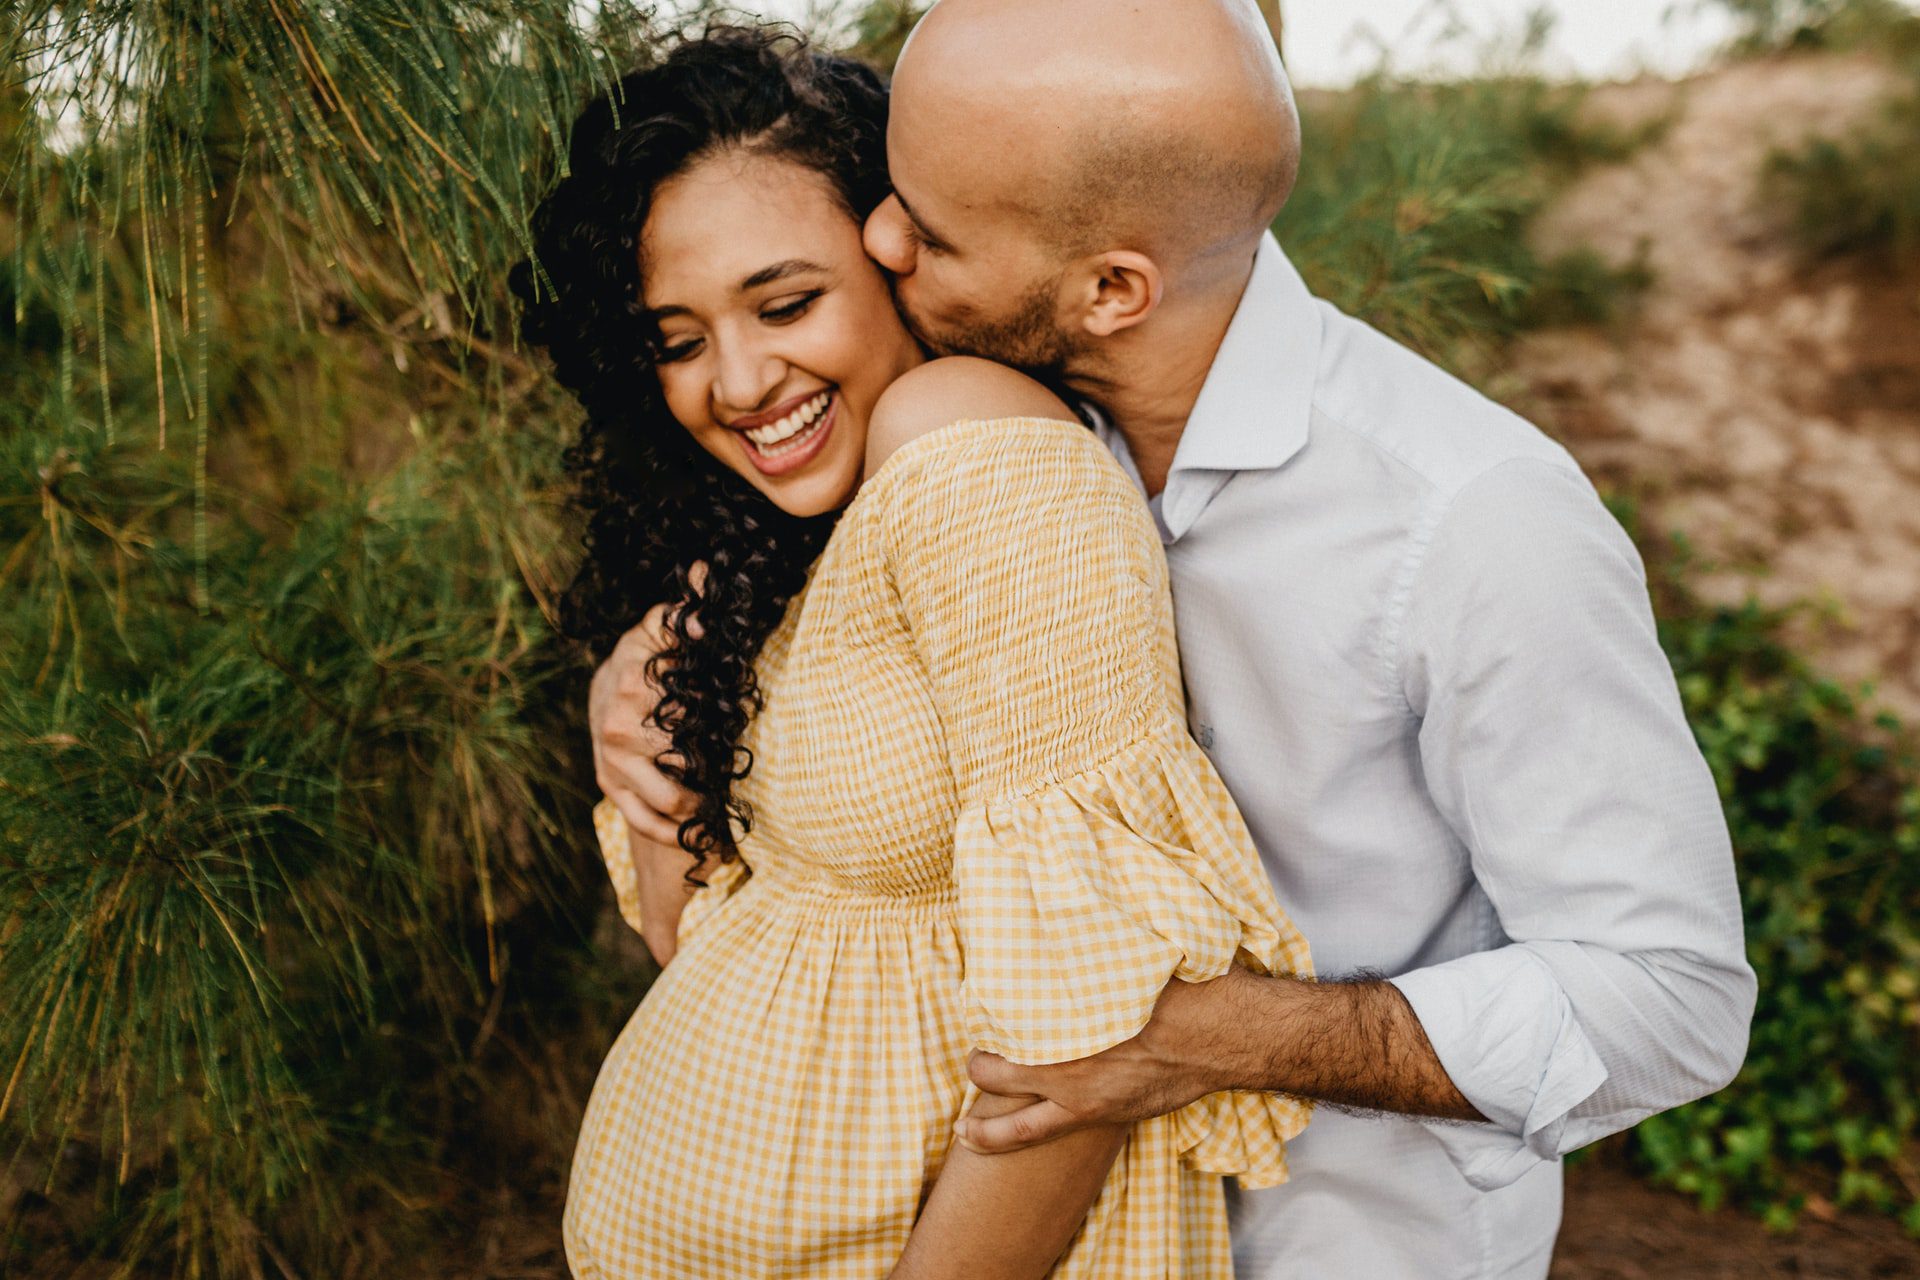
column 1353, row 1043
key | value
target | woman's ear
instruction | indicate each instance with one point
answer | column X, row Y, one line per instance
column 1119, row 289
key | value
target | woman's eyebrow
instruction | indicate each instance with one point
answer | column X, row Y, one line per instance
column 779, row 271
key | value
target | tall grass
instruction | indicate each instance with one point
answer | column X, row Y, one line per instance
column 245, row 841
column 288, row 755
column 1413, row 202
column 1859, row 193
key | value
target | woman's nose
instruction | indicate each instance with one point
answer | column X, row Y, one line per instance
column 886, row 238
column 747, row 374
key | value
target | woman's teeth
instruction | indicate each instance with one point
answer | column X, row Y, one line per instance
column 791, row 431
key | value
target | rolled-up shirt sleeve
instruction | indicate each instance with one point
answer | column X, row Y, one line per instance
column 1554, row 745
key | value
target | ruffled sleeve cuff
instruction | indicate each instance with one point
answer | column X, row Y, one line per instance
column 1081, row 899
column 617, row 851
column 611, row 828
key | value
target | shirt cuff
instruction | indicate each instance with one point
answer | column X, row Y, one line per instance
column 1506, row 1033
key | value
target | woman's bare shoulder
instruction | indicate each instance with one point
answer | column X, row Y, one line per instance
column 949, row 390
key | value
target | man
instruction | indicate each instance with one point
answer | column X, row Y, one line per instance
column 1416, row 647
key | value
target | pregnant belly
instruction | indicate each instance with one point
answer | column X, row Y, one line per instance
column 781, row 1100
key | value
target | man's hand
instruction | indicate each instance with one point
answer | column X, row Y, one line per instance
column 627, row 744
column 1352, row 1043
column 1166, row 1066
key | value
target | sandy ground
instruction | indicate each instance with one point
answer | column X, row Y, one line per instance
column 1765, row 406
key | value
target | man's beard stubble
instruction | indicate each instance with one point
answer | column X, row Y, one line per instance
column 1027, row 337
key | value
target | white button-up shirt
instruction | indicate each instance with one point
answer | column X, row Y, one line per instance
column 1420, row 652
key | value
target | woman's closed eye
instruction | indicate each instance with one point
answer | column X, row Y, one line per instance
column 669, row 350
column 790, row 310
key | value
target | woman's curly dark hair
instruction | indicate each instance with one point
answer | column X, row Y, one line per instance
column 656, row 502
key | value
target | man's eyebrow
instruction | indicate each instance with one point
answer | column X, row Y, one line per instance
column 919, row 223
column 764, row 276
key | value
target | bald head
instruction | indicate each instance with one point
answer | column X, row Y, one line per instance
column 1165, row 126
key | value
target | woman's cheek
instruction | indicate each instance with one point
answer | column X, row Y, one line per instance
column 683, row 400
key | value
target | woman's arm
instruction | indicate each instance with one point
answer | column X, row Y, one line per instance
column 1008, row 1217
column 991, row 1217
column 664, row 891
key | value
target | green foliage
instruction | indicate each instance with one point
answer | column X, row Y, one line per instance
column 1859, row 193
column 430, row 122
column 1413, row 202
column 881, row 28
column 237, row 842
column 287, row 750
column 1824, row 807
column 394, row 148
column 1767, row 26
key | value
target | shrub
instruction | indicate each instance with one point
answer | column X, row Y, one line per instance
column 1858, row 193
column 285, row 763
column 1413, row 202
column 1824, row 806
column 1768, row 26
column 244, row 848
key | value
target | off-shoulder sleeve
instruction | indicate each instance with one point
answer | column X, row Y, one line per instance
column 1097, row 853
column 616, row 850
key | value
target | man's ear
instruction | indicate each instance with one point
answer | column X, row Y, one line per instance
column 1119, row 289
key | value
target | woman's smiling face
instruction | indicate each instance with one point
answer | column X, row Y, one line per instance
column 777, row 332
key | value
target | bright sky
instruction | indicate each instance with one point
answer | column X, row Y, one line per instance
column 1329, row 43
column 1332, row 42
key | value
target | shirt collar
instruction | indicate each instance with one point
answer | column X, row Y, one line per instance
column 1254, row 405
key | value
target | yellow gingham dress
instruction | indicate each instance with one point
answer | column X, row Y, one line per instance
column 978, row 822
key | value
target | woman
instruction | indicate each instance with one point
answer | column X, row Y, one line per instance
column 925, row 688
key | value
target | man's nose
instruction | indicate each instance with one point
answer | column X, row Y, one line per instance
column 886, row 237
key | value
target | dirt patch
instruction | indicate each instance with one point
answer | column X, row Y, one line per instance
column 1765, row 407
column 1618, row 1228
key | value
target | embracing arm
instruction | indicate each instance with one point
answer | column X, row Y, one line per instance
column 650, row 884
column 1556, row 748
column 1350, row 1043
column 1355, row 1043
column 627, row 748
column 1553, row 743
